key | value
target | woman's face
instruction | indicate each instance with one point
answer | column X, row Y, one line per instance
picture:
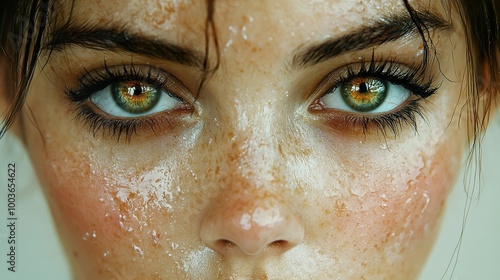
column 320, row 148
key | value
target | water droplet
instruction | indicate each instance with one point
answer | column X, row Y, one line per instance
column 360, row 8
column 138, row 250
column 86, row 236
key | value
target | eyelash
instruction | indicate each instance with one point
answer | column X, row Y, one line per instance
column 411, row 78
column 93, row 81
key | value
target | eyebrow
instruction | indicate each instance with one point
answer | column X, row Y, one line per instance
column 120, row 39
column 380, row 32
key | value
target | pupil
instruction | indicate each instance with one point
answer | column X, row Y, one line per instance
column 363, row 88
column 137, row 90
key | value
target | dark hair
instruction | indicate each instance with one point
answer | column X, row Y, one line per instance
column 23, row 25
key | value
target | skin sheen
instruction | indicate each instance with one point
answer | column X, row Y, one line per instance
column 252, row 184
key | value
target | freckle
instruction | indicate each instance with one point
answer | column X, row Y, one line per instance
column 280, row 149
column 255, row 49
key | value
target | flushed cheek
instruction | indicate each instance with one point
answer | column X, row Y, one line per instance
column 73, row 193
column 116, row 219
column 394, row 218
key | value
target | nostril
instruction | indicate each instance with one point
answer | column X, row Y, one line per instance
column 251, row 231
column 280, row 244
column 224, row 243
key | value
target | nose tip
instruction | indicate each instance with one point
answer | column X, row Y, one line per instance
column 252, row 231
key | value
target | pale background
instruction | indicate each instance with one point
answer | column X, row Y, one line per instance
column 40, row 255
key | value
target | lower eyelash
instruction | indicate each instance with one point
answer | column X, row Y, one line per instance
column 116, row 129
column 97, row 122
column 392, row 123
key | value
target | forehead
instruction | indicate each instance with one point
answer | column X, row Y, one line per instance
column 185, row 19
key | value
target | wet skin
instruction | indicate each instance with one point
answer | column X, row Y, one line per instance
column 255, row 176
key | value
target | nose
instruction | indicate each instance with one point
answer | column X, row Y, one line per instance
column 250, row 221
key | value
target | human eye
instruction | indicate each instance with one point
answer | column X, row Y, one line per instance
column 384, row 96
column 124, row 99
column 129, row 99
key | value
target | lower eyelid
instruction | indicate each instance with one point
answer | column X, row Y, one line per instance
column 102, row 125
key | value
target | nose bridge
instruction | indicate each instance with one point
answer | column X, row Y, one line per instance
column 255, row 159
column 252, row 209
column 249, row 142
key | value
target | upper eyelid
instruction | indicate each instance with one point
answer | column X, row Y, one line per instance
column 93, row 80
column 387, row 69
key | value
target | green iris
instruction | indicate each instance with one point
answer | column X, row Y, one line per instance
column 364, row 94
column 135, row 97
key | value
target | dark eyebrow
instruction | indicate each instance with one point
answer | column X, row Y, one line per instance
column 380, row 32
column 119, row 39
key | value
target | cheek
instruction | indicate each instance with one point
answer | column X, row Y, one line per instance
column 77, row 195
column 387, row 218
column 404, row 209
column 120, row 217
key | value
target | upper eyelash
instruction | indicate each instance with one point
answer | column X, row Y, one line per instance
column 93, row 81
column 412, row 78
